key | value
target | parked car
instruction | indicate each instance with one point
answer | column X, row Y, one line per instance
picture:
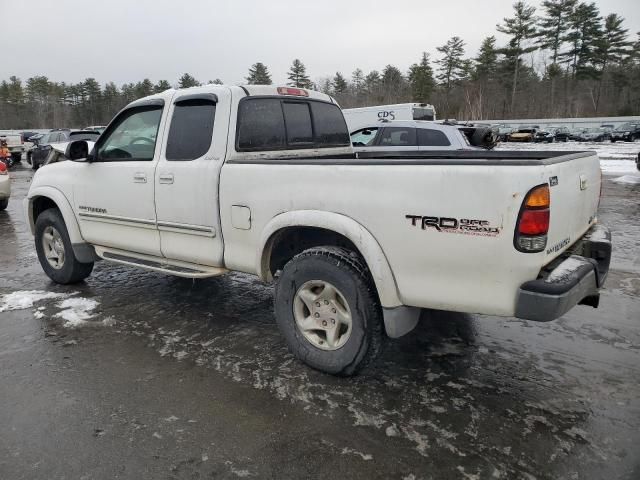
column 576, row 134
column 594, row 135
column 628, row 132
column 522, row 134
column 504, row 133
column 42, row 149
column 544, row 136
column 362, row 117
column 5, row 186
column 561, row 134
column 410, row 135
column 358, row 245
column 96, row 128
column 14, row 143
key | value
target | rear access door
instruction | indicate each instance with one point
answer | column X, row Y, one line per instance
column 187, row 176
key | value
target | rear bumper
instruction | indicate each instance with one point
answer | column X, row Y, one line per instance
column 5, row 187
column 574, row 280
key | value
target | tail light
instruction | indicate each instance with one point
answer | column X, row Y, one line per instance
column 533, row 221
column 3, row 168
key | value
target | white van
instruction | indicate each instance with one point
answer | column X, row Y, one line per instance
column 367, row 116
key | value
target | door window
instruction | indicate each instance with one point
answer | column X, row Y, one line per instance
column 397, row 137
column 191, row 129
column 297, row 119
column 133, row 137
column 364, row 137
column 432, row 138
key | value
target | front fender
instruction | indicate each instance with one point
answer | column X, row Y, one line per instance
column 367, row 245
column 63, row 205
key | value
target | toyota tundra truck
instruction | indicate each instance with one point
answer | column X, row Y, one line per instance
column 263, row 180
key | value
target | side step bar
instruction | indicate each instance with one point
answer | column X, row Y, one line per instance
column 159, row 264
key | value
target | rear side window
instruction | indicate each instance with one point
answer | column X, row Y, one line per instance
column 261, row 125
column 432, row 138
column 278, row 124
column 397, row 137
column 191, row 129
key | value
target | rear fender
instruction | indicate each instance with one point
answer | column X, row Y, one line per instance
column 363, row 240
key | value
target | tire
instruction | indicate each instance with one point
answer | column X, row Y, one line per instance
column 4, row 204
column 322, row 268
column 17, row 157
column 34, row 164
column 70, row 270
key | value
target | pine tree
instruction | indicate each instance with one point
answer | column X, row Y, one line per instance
column 161, row 86
column 187, row 81
column 357, row 82
column 217, row 81
column 583, row 36
column 298, row 75
column 521, row 27
column 339, row 84
column 486, row 63
column 259, row 75
column 421, row 80
column 452, row 67
column 553, row 26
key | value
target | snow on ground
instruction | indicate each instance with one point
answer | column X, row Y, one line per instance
column 632, row 179
column 24, row 299
column 615, row 158
column 76, row 311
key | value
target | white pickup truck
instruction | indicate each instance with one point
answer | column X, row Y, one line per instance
column 263, row 180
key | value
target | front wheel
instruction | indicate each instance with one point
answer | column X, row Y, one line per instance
column 328, row 311
column 55, row 251
column 4, row 203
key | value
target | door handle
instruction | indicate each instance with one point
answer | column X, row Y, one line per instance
column 139, row 177
column 166, row 178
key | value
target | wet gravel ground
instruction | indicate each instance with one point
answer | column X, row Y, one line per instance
column 140, row 375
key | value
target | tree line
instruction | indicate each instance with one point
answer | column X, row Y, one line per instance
column 565, row 60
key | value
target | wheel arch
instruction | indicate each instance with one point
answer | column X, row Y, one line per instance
column 43, row 198
column 346, row 232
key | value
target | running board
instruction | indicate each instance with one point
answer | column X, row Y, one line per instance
column 159, row 264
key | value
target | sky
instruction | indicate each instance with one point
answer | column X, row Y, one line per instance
column 129, row 40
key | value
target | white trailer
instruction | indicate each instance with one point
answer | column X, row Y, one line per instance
column 367, row 116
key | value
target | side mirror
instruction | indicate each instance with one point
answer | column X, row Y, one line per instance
column 78, row 151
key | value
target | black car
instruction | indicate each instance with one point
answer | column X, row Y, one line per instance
column 41, row 151
column 544, row 136
column 628, row 132
column 561, row 134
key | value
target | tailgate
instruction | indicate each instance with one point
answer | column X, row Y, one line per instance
column 575, row 195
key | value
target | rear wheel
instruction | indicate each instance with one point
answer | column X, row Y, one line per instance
column 55, row 251
column 328, row 311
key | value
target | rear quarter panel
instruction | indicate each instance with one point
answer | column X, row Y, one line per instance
column 433, row 268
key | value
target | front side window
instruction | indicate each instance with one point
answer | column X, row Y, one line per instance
column 423, row 114
column 133, row 137
column 364, row 137
column 398, row 137
column 191, row 129
column 432, row 138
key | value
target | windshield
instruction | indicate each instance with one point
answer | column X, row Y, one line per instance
column 364, row 137
column 423, row 114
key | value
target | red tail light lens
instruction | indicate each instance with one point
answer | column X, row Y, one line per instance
column 533, row 221
column 3, row 168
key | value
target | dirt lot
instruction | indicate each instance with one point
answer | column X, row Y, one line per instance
column 138, row 375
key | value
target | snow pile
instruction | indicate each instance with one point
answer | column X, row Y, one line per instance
column 76, row 311
column 24, row 299
column 632, row 179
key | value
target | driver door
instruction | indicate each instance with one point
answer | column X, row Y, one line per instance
column 113, row 194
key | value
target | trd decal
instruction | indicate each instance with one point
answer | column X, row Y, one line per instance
column 92, row 209
column 464, row 226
